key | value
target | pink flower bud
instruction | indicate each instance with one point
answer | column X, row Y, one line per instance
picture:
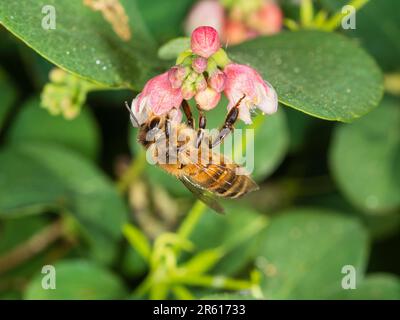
column 188, row 90
column 207, row 99
column 199, row 64
column 235, row 32
column 243, row 80
column 268, row 19
column 201, row 83
column 159, row 95
column 217, row 81
column 205, row 13
column 176, row 75
column 205, row 41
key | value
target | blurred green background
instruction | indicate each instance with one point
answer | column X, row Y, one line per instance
column 329, row 197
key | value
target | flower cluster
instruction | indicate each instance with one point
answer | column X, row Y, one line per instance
column 236, row 20
column 204, row 72
column 65, row 94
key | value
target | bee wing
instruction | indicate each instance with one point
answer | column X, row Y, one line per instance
column 204, row 195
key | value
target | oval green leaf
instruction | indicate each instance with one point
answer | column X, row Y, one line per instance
column 322, row 74
column 173, row 48
column 365, row 159
column 380, row 286
column 34, row 123
column 83, row 42
column 77, row 280
column 39, row 176
column 304, row 250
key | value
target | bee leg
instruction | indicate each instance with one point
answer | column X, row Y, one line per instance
column 167, row 134
column 202, row 126
column 228, row 124
column 188, row 114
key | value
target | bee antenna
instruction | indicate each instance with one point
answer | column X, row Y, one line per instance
column 131, row 113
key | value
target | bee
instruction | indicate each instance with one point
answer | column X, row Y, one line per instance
column 208, row 175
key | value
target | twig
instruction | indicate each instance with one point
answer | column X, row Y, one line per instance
column 32, row 246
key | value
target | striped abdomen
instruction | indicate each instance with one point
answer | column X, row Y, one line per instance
column 220, row 179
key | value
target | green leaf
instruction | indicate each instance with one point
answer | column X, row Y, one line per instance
column 34, row 123
column 236, row 233
column 26, row 228
column 322, row 74
column 133, row 265
column 26, row 186
column 7, row 97
column 173, row 48
column 365, row 159
column 378, row 286
column 39, row 176
column 138, row 240
column 78, row 280
column 36, row 66
column 202, row 261
column 271, row 142
column 13, row 234
column 299, row 125
column 378, row 30
column 304, row 250
column 83, row 42
column 164, row 18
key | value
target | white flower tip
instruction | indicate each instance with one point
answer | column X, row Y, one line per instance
column 139, row 113
column 269, row 101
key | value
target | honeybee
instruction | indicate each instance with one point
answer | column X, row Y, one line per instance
column 208, row 175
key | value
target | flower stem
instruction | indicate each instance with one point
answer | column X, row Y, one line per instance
column 334, row 22
column 182, row 293
column 190, row 222
column 191, row 219
column 132, row 173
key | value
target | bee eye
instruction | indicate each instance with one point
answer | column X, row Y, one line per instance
column 154, row 123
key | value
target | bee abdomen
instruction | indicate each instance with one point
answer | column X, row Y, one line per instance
column 236, row 188
column 224, row 182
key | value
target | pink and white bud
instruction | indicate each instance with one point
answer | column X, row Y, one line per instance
column 205, row 13
column 199, row 64
column 159, row 95
column 141, row 111
column 243, row 80
column 217, row 81
column 207, row 99
column 205, row 41
column 268, row 19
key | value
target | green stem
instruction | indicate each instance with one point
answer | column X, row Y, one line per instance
column 144, row 287
column 219, row 282
column 135, row 169
column 182, row 293
column 306, row 13
column 334, row 22
column 191, row 219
